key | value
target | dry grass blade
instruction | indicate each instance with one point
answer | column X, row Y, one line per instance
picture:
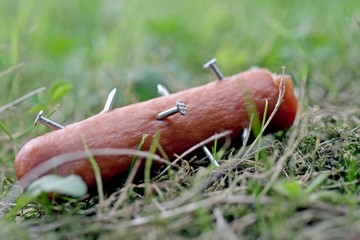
column 281, row 162
column 224, row 229
column 123, row 194
column 282, row 88
column 205, row 203
column 193, row 148
column 10, row 70
column 21, row 99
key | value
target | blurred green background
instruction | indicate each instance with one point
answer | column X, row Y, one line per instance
column 81, row 49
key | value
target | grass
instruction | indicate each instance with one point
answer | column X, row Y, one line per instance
column 298, row 184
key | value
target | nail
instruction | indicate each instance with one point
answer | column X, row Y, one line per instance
column 110, row 101
column 215, row 71
column 244, row 135
column 47, row 122
column 180, row 108
column 210, row 156
column 162, row 90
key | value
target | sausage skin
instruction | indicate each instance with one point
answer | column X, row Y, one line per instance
column 212, row 108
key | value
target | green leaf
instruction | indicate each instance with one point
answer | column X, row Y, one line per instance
column 72, row 185
column 36, row 108
column 291, row 189
column 58, row 90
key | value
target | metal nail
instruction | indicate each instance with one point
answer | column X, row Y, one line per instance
column 110, row 101
column 162, row 90
column 244, row 136
column 215, row 71
column 47, row 122
column 210, row 156
column 180, row 108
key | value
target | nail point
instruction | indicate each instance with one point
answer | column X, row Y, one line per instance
column 210, row 156
column 110, row 101
column 162, row 90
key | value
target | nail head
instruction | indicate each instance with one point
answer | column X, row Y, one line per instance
column 180, row 105
column 210, row 63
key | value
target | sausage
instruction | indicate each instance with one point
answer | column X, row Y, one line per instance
column 212, row 108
